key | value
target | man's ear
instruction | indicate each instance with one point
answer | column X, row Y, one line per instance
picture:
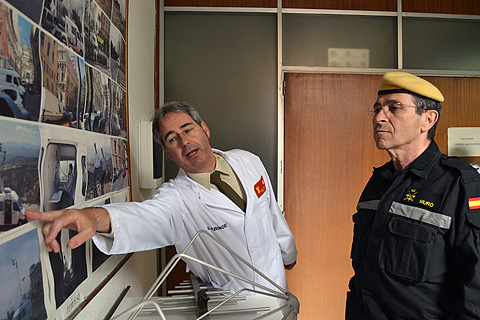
column 431, row 117
column 205, row 128
column 167, row 153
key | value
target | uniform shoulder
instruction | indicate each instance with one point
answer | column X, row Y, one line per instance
column 468, row 173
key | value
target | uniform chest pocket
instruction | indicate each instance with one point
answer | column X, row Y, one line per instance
column 407, row 249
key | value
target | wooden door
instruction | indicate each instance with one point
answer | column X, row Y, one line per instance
column 329, row 156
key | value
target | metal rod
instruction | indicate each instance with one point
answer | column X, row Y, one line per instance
column 202, row 288
column 244, row 310
column 139, row 306
column 178, row 308
column 263, row 316
column 176, row 258
column 117, row 303
column 230, row 298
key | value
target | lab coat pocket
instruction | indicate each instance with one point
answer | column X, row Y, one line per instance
column 407, row 249
column 219, row 280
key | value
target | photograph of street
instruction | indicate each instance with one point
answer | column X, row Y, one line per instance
column 120, row 164
column 20, row 78
column 97, row 36
column 119, row 15
column 98, row 107
column 21, row 271
column 61, row 83
column 117, row 57
column 63, row 19
column 118, row 120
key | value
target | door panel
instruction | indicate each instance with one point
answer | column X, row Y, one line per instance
column 329, row 154
column 460, row 108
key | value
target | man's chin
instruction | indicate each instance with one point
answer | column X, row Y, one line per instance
column 381, row 145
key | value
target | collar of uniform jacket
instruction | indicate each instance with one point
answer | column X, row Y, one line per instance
column 422, row 165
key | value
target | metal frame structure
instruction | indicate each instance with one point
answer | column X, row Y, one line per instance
column 201, row 292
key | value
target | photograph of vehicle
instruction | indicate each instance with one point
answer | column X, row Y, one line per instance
column 10, row 79
column 63, row 20
column 10, row 108
column 21, row 271
column 11, row 207
column 20, row 75
column 63, row 174
column 19, row 184
column 14, row 94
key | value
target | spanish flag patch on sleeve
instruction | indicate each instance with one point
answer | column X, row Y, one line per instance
column 260, row 187
column 474, row 203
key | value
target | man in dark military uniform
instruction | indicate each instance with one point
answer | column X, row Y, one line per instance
column 416, row 244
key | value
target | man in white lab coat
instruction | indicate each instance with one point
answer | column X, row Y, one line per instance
column 255, row 229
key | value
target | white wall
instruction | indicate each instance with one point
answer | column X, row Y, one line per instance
column 140, row 271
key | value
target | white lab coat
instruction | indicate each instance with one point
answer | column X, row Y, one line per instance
column 181, row 207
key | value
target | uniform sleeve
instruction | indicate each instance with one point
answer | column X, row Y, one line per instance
column 467, row 253
column 354, row 306
column 284, row 235
column 140, row 226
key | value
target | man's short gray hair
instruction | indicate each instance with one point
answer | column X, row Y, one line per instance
column 170, row 107
column 422, row 104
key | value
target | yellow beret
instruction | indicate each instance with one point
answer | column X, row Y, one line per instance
column 402, row 82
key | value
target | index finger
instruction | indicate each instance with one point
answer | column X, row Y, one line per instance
column 43, row 216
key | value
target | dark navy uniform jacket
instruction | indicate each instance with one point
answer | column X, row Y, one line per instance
column 416, row 243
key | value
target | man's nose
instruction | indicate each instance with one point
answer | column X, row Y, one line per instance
column 184, row 140
column 380, row 116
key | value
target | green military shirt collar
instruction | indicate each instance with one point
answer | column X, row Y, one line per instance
column 203, row 178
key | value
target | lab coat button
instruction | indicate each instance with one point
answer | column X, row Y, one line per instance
column 253, row 250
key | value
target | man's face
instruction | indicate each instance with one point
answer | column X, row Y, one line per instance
column 186, row 143
column 398, row 128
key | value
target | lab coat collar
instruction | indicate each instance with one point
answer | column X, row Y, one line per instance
column 239, row 165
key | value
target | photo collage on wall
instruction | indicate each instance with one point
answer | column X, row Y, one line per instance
column 63, row 137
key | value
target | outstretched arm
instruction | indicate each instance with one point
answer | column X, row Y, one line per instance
column 86, row 222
